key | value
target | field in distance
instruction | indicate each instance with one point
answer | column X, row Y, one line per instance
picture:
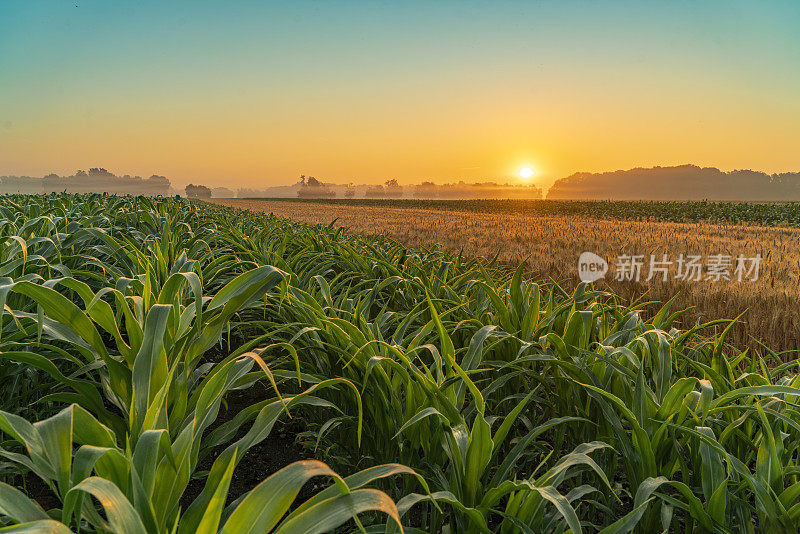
column 551, row 235
column 758, row 213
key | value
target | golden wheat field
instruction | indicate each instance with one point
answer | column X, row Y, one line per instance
column 552, row 244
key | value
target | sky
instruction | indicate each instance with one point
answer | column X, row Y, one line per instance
column 253, row 94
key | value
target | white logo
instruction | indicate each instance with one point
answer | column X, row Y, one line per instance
column 688, row 268
column 591, row 267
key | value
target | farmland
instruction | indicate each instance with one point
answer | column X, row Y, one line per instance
column 551, row 236
column 152, row 349
column 757, row 213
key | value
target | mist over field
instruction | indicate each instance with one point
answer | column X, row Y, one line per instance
column 96, row 180
column 314, row 188
column 683, row 182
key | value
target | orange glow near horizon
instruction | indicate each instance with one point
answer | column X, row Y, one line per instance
column 224, row 149
column 237, row 98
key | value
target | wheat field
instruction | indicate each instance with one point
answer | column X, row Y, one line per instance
column 551, row 244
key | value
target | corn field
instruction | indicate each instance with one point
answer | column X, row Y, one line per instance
column 727, row 212
column 435, row 393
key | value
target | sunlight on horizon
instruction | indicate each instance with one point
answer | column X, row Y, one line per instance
column 231, row 97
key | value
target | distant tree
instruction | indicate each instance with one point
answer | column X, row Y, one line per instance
column 390, row 189
column 197, row 191
column 374, row 191
column 157, row 180
column 312, row 188
column 426, row 190
column 221, row 192
column 350, row 191
column 99, row 171
column 393, row 189
column 97, row 180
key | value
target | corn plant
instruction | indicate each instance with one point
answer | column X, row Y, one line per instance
column 473, row 398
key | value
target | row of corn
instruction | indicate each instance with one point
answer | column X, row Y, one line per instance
column 437, row 393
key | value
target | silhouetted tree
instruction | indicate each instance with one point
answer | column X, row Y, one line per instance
column 197, row 191
column 221, row 192
column 312, row 188
column 680, row 182
column 97, row 180
column 392, row 189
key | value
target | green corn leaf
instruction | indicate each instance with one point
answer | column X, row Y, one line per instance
column 18, row 507
column 266, row 504
column 210, row 522
column 45, row 526
column 122, row 517
column 331, row 513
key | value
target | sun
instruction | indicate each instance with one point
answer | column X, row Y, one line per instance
column 526, row 172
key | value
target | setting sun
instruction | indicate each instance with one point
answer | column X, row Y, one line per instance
column 511, row 187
